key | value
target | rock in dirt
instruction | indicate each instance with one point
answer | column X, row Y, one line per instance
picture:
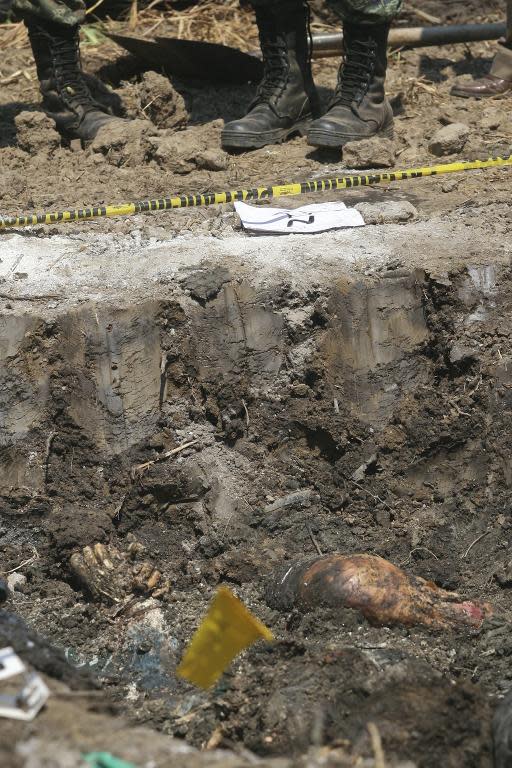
column 462, row 355
column 449, row 139
column 36, row 133
column 164, row 106
column 369, row 153
column 300, row 390
column 212, row 160
column 387, row 212
column 123, row 142
column 450, row 186
column 4, row 591
column 16, row 582
column 383, row 593
column 362, row 470
column 301, row 498
column 503, row 574
column 492, row 118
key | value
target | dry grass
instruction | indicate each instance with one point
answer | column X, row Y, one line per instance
column 12, row 36
column 217, row 21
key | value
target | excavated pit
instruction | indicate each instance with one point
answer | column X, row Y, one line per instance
column 349, row 392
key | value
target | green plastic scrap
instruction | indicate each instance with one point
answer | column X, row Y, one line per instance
column 106, row 760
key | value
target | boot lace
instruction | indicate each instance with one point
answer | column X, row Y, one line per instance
column 355, row 73
column 275, row 74
column 68, row 75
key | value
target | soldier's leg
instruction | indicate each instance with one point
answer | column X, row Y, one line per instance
column 366, row 11
column 359, row 108
column 53, row 29
column 286, row 99
column 67, row 13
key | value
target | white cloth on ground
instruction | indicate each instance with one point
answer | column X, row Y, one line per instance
column 308, row 219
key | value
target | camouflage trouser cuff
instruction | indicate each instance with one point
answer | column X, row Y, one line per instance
column 350, row 11
column 68, row 13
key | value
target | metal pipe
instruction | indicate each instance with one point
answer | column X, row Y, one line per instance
column 326, row 46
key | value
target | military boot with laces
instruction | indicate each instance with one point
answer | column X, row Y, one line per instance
column 359, row 108
column 66, row 95
column 286, row 100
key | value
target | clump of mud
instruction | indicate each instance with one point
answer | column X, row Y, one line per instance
column 164, row 106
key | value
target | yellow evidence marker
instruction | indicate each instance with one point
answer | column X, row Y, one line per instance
column 227, row 629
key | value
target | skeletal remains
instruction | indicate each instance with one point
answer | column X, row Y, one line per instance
column 381, row 591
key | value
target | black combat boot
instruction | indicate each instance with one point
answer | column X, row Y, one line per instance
column 66, row 95
column 359, row 108
column 287, row 99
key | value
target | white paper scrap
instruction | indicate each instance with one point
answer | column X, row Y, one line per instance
column 318, row 217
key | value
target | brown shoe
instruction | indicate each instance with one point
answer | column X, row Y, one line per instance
column 497, row 83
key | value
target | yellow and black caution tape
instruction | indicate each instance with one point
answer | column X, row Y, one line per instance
column 257, row 193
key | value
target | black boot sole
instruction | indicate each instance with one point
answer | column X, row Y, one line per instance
column 248, row 140
column 334, row 140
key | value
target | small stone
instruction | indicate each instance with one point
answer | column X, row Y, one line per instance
column 212, row 160
column 462, row 354
column 369, row 153
column 300, row 390
column 16, row 582
column 450, row 186
column 449, row 140
column 301, row 498
column 491, row 119
column 387, row 212
column 361, row 471
column 503, row 574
